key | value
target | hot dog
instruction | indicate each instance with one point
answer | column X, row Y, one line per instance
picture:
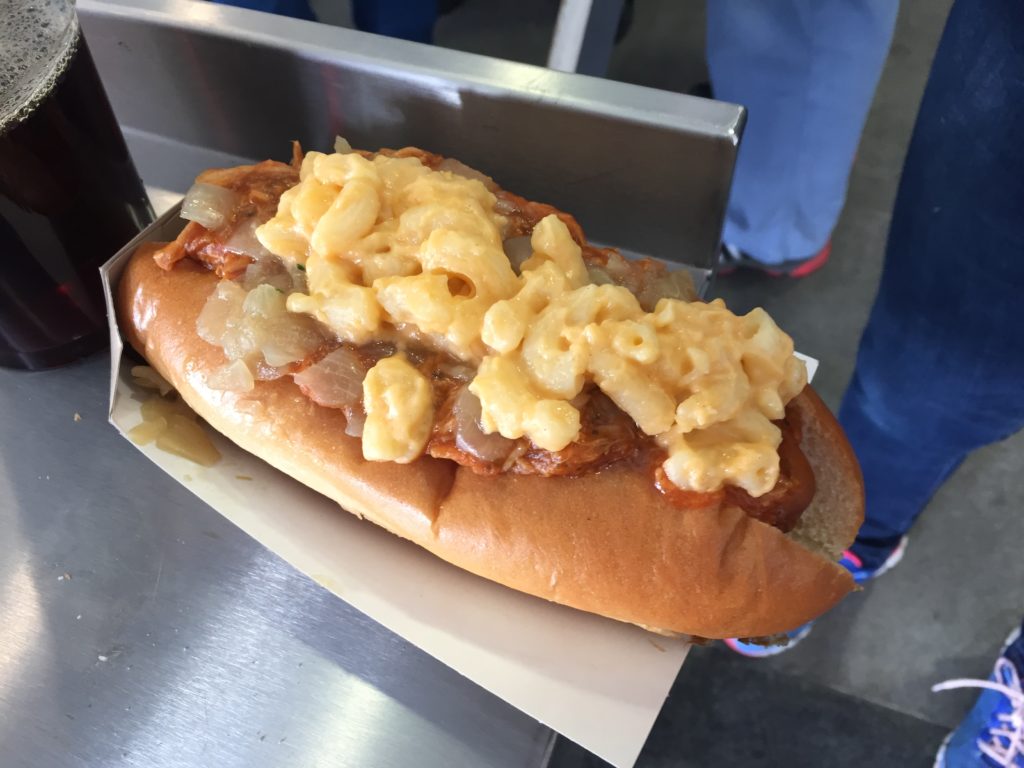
column 460, row 366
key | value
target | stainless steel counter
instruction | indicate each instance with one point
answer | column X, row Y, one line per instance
column 140, row 628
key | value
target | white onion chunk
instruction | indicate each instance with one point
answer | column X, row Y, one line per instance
column 470, row 437
column 336, row 381
column 233, row 377
column 518, row 250
column 208, row 205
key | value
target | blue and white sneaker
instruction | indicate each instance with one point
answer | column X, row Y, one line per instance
column 759, row 651
column 992, row 733
column 869, row 562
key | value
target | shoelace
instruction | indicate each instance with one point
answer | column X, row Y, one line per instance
column 1005, row 743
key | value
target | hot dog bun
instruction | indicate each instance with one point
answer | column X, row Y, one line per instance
column 608, row 543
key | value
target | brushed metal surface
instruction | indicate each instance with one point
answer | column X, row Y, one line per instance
column 139, row 628
column 642, row 169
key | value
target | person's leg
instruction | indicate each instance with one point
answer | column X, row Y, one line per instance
column 405, row 19
column 940, row 369
column 807, row 72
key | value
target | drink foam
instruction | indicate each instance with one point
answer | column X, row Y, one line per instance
column 38, row 39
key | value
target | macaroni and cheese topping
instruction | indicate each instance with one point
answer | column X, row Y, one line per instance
column 399, row 406
column 392, row 249
column 668, row 362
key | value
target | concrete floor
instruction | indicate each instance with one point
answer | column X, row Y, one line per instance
column 856, row 691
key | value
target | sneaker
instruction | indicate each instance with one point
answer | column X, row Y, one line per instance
column 872, row 562
column 867, row 560
column 732, row 258
column 992, row 733
column 772, row 646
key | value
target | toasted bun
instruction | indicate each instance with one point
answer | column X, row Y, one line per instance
column 608, row 543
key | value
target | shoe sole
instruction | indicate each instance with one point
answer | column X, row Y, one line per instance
column 890, row 562
column 893, row 560
column 813, row 264
column 940, row 756
column 1012, row 638
column 769, row 650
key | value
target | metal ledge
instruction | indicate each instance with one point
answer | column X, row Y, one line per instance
column 642, row 169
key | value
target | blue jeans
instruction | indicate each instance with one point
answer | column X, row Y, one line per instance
column 405, row 19
column 806, row 70
column 940, row 370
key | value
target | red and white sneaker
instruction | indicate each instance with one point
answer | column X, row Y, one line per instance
column 732, row 258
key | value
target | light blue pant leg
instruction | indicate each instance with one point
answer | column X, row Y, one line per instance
column 807, row 71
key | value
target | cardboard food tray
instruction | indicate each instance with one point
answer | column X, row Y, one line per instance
column 598, row 682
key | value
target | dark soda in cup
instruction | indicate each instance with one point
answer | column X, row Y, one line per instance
column 69, row 193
